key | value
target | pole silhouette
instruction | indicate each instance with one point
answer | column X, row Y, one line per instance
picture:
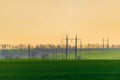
column 76, row 40
column 66, row 47
column 76, row 47
column 29, row 56
column 107, row 43
column 103, row 43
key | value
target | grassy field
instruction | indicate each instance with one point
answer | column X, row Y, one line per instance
column 102, row 55
column 83, row 54
column 94, row 55
column 59, row 70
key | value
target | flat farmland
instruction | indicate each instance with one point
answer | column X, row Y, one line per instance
column 59, row 70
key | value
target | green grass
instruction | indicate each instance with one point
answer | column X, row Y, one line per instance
column 85, row 54
column 59, row 70
column 112, row 54
column 93, row 55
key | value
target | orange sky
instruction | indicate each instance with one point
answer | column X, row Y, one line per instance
column 48, row 21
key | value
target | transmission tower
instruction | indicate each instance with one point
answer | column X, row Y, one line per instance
column 76, row 40
column 106, row 43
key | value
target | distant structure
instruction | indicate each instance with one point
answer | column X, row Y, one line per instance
column 76, row 41
column 107, row 43
column 29, row 53
column 66, row 47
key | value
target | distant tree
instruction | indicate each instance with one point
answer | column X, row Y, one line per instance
column 21, row 46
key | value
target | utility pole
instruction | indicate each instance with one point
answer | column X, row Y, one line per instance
column 66, row 47
column 56, row 53
column 76, row 40
column 81, row 44
column 52, row 50
column 3, row 50
column 76, row 47
column 103, row 43
column 29, row 56
column 107, row 43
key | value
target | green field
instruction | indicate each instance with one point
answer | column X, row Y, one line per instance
column 59, row 70
column 101, row 55
column 107, row 54
column 113, row 54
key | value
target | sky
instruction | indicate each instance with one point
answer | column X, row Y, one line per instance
column 48, row 21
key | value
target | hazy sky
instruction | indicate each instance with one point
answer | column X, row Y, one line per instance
column 48, row 21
